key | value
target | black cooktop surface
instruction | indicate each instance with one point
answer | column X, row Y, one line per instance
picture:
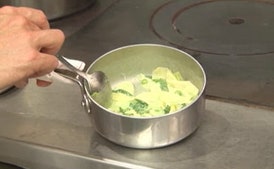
column 233, row 40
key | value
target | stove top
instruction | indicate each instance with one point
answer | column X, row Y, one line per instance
column 231, row 39
column 231, row 43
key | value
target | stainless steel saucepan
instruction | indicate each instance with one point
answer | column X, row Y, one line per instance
column 147, row 132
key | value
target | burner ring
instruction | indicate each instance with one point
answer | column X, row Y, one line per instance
column 217, row 27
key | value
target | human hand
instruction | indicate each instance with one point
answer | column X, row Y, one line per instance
column 27, row 46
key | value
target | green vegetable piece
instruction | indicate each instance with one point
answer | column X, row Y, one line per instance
column 160, row 93
column 183, row 105
column 126, row 111
column 144, row 81
column 179, row 92
column 148, row 76
column 139, row 106
column 163, row 84
column 167, row 109
column 122, row 91
column 121, row 110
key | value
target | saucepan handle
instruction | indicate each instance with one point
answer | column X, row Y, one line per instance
column 77, row 65
column 64, row 74
column 86, row 101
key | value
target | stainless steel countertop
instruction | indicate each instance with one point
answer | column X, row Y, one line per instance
column 46, row 128
column 38, row 120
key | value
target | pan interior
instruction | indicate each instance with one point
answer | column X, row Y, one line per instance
column 127, row 62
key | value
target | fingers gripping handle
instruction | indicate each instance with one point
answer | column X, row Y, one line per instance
column 80, row 65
